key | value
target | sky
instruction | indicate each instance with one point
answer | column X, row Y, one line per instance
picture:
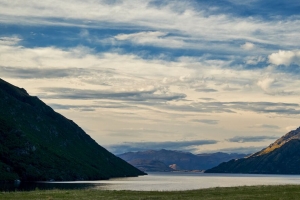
column 193, row 75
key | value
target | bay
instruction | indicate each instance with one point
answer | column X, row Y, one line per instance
column 171, row 181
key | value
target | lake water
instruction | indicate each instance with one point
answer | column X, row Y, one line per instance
column 171, row 181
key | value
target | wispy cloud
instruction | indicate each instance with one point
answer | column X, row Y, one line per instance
column 206, row 121
column 265, row 126
column 242, row 150
column 154, row 38
column 31, row 73
column 248, row 46
column 157, row 97
column 91, row 107
column 143, row 95
column 9, row 40
column 206, row 90
column 244, row 139
column 233, row 107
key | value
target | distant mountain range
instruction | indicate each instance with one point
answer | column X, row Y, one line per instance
column 37, row 143
column 281, row 157
column 167, row 160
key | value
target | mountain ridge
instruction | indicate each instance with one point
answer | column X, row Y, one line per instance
column 294, row 134
column 36, row 143
column 182, row 160
column 280, row 157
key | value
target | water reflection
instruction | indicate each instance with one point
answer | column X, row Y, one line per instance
column 163, row 182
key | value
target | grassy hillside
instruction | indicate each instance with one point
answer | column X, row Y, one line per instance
column 37, row 143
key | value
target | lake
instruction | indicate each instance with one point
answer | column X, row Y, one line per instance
column 171, row 181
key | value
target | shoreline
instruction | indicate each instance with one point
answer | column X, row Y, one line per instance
column 178, row 181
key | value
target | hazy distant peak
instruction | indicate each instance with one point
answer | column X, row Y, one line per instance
column 150, row 160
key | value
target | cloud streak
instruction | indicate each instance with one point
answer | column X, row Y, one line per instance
column 157, row 97
column 265, row 126
column 245, row 139
column 31, row 73
column 206, row 121
column 233, row 107
column 243, row 150
column 70, row 93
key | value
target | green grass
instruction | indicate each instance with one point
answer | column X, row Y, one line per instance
column 238, row 193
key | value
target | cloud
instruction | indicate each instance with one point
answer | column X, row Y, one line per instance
column 131, row 78
column 206, row 90
column 254, row 60
column 10, row 40
column 208, row 99
column 172, row 40
column 285, row 58
column 265, row 126
column 84, row 33
column 234, row 107
column 227, row 88
column 143, row 95
column 242, row 150
column 193, row 20
column 157, row 39
column 267, row 107
column 164, row 61
column 91, row 106
column 248, row 46
column 141, row 37
column 207, row 107
column 245, row 139
column 115, row 69
column 266, row 83
column 31, row 73
column 291, row 128
column 68, row 107
column 206, row 121
column 279, row 83
column 170, row 145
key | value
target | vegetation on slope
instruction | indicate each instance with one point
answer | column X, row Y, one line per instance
column 283, row 160
column 292, row 135
column 37, row 143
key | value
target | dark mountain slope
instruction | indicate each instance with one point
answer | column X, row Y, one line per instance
column 281, row 157
column 183, row 160
column 37, row 143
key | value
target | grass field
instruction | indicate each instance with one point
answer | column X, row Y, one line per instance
column 253, row 192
